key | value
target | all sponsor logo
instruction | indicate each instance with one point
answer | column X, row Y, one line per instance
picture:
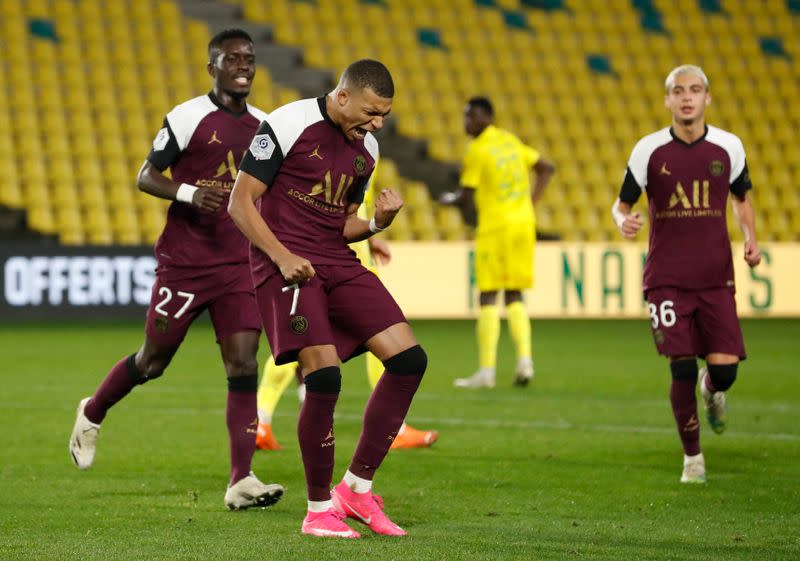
column 161, row 139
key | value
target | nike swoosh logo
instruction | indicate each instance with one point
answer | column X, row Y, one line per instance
column 358, row 514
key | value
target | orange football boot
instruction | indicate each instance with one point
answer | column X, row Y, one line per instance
column 265, row 440
column 413, row 438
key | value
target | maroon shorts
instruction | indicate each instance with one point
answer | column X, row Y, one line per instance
column 179, row 296
column 342, row 306
column 695, row 322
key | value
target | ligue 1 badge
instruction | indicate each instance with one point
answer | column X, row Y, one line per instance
column 162, row 324
column 716, row 168
column 298, row 324
column 360, row 164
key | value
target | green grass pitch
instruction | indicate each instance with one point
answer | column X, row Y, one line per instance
column 583, row 464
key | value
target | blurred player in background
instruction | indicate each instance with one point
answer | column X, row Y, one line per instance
column 202, row 262
column 687, row 171
column 495, row 180
column 308, row 168
column 370, row 252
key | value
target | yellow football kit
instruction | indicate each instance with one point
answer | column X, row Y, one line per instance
column 497, row 167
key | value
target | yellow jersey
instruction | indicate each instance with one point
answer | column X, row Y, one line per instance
column 497, row 165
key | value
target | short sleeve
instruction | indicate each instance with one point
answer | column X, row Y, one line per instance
column 264, row 156
column 357, row 193
column 165, row 151
column 741, row 185
column 530, row 155
column 630, row 190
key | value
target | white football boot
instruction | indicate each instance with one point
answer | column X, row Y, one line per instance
column 694, row 469
column 249, row 491
column 83, row 442
column 483, row 378
column 524, row 373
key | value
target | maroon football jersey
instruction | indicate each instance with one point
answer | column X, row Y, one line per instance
column 203, row 143
column 687, row 187
column 312, row 171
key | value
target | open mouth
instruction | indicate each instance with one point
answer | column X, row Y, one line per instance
column 241, row 81
column 359, row 133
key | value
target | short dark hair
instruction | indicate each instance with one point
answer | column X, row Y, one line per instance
column 215, row 45
column 369, row 73
column 482, row 103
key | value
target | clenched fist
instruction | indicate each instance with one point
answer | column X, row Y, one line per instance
column 387, row 205
column 295, row 268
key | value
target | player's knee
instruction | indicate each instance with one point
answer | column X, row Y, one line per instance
column 147, row 370
column 723, row 375
column 410, row 362
column 684, row 369
column 324, row 380
column 241, row 367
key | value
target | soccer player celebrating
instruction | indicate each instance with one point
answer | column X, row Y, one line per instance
column 276, row 378
column 202, row 262
column 687, row 171
column 296, row 196
column 495, row 179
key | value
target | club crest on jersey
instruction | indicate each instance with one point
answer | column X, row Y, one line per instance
column 161, row 139
column 716, row 168
column 262, row 147
column 360, row 164
column 298, row 324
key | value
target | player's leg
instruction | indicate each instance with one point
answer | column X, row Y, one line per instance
column 234, row 315
column 675, row 335
column 682, row 397
column 405, row 363
column 719, row 327
column 489, row 267
column 519, row 248
column 168, row 319
column 273, row 383
column 488, row 335
column 323, row 380
column 519, row 325
column 407, row 436
column 716, row 378
column 241, row 368
column 304, row 333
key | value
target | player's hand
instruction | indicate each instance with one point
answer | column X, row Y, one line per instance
column 387, row 205
column 209, row 199
column 751, row 253
column 295, row 268
column 631, row 225
column 380, row 251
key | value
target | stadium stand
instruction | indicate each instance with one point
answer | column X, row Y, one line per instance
column 84, row 86
column 85, row 83
column 580, row 79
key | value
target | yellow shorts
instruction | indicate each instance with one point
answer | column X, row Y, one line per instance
column 504, row 259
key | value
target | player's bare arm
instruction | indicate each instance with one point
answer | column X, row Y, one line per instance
column 628, row 223
column 387, row 205
column 247, row 218
column 743, row 210
column 152, row 181
column 544, row 172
